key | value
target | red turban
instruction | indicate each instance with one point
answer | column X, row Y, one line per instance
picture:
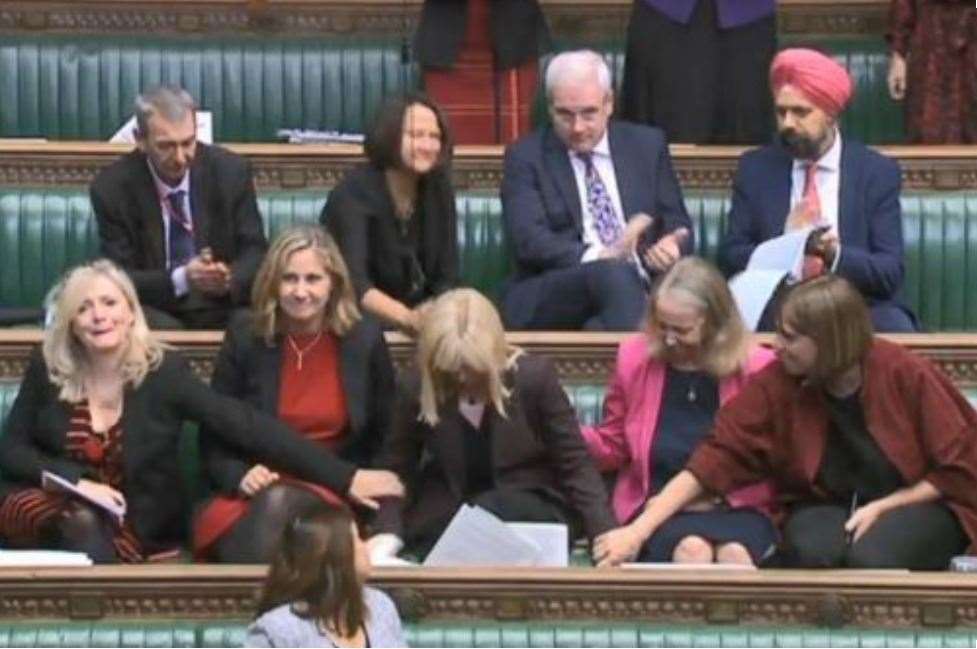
column 820, row 78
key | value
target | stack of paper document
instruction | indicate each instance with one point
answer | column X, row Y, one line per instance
column 54, row 482
column 770, row 262
column 30, row 558
column 476, row 537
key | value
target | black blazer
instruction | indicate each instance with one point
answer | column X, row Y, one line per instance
column 537, row 446
column 517, row 28
column 152, row 418
column 248, row 369
column 225, row 218
column 360, row 216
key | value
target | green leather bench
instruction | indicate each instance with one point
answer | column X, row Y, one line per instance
column 82, row 87
column 43, row 232
column 872, row 117
column 536, row 633
column 72, row 87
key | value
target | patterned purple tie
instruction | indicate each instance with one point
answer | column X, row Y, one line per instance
column 606, row 223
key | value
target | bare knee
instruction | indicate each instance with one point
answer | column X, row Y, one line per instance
column 693, row 549
column 733, row 553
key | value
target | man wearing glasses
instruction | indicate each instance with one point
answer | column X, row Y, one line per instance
column 592, row 208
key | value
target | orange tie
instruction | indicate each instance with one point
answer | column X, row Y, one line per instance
column 813, row 265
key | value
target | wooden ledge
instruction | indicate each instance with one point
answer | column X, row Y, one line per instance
column 320, row 166
column 580, row 357
column 869, row 599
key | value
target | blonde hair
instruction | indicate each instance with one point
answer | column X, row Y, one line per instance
column 64, row 354
column 461, row 330
column 830, row 312
column 341, row 312
column 725, row 339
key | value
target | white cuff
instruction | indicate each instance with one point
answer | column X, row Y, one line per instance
column 384, row 546
column 179, row 278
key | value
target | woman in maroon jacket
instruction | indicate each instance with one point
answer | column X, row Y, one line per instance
column 872, row 447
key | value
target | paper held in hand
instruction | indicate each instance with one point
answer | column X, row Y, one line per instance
column 54, row 482
column 770, row 262
column 476, row 537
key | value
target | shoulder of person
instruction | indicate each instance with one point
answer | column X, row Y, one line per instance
column 367, row 331
column 284, row 627
column 531, row 369
column 221, row 158
column 378, row 602
column 530, row 144
column 650, row 135
column 860, row 153
column 122, row 170
column 360, row 186
column 758, row 358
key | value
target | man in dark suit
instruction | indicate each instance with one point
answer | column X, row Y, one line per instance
column 592, row 208
column 813, row 177
column 180, row 217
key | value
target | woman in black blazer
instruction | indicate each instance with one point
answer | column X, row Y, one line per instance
column 394, row 217
column 102, row 407
column 479, row 421
column 305, row 355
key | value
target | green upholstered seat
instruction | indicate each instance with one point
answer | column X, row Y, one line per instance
column 73, row 87
column 45, row 231
column 872, row 116
column 533, row 633
column 82, row 86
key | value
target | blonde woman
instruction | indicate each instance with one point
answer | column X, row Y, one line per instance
column 305, row 355
column 495, row 426
column 668, row 383
column 102, row 407
column 871, row 446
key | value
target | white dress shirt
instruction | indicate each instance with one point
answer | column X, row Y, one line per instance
column 828, row 181
column 604, row 164
column 177, row 275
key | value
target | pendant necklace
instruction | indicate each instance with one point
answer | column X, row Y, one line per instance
column 300, row 352
column 692, row 395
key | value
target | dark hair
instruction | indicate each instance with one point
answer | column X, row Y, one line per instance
column 833, row 314
column 383, row 142
column 314, row 570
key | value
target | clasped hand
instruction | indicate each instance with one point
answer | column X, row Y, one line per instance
column 660, row 256
column 617, row 546
column 207, row 275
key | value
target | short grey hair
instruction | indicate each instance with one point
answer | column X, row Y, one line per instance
column 577, row 66
column 172, row 103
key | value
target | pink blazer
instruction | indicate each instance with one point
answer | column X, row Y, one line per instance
column 622, row 442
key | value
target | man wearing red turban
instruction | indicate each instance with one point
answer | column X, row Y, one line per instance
column 812, row 177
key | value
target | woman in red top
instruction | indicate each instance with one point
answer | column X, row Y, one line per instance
column 307, row 356
column 871, row 447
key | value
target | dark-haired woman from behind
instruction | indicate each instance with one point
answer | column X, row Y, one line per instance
column 394, row 217
column 315, row 596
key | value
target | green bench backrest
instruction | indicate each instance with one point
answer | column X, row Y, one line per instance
column 535, row 633
column 74, row 87
column 82, row 87
column 43, row 232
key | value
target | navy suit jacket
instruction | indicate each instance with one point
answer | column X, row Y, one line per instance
column 869, row 216
column 541, row 204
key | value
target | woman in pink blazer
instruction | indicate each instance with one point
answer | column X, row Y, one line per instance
column 668, row 383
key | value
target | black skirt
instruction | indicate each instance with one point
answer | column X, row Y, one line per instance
column 700, row 83
column 745, row 526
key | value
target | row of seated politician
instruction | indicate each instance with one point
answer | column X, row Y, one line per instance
column 834, row 449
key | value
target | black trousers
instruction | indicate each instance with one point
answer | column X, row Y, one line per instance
column 605, row 295
column 699, row 83
column 917, row 537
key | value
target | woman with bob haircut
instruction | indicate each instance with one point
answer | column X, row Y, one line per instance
column 102, row 406
column 305, row 355
column 669, row 381
column 497, row 427
column 872, row 446
column 315, row 593
column 394, row 217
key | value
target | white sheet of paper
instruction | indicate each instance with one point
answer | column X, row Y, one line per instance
column 476, row 537
column 785, row 253
column 550, row 538
column 752, row 290
column 205, row 129
column 26, row 558
column 54, row 482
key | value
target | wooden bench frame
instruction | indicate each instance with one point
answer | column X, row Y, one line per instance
column 316, row 166
column 580, row 357
column 867, row 599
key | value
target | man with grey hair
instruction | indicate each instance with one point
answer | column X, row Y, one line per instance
column 180, row 217
column 591, row 206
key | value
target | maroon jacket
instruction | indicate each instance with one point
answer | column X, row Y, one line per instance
column 776, row 427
